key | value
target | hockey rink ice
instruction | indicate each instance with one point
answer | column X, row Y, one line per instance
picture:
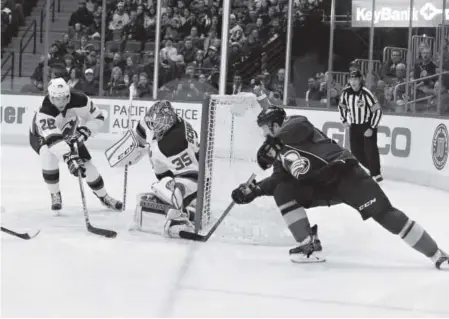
column 67, row 272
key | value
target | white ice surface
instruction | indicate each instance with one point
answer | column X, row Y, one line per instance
column 68, row 272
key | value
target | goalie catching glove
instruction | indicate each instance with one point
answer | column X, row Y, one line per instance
column 245, row 194
column 269, row 151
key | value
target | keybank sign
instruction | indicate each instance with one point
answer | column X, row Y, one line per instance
column 397, row 13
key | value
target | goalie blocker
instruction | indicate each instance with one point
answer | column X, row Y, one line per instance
column 172, row 146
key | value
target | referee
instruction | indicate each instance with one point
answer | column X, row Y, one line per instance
column 361, row 113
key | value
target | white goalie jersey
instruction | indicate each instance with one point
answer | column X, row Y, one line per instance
column 176, row 153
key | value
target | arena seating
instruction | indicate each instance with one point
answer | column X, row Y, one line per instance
column 387, row 79
column 189, row 57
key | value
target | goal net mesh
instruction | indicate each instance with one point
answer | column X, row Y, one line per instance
column 230, row 139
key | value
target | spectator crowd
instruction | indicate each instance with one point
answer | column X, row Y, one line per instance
column 13, row 16
column 388, row 80
column 189, row 55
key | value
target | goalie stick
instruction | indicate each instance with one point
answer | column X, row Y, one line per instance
column 94, row 230
column 23, row 235
column 204, row 238
column 125, row 177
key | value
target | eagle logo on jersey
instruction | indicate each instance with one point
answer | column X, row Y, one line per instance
column 69, row 128
column 295, row 163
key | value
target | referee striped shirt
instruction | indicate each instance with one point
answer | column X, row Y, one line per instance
column 359, row 107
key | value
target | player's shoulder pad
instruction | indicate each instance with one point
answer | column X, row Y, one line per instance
column 48, row 108
column 294, row 129
column 77, row 100
column 174, row 141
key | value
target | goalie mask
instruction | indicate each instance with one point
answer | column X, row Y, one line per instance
column 160, row 118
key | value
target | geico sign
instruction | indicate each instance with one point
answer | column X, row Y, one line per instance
column 396, row 141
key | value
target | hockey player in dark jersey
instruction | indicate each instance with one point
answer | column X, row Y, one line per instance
column 67, row 117
column 172, row 145
column 311, row 170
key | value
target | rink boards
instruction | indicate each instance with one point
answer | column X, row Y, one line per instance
column 413, row 149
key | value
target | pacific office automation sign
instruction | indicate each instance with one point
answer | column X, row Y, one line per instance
column 396, row 13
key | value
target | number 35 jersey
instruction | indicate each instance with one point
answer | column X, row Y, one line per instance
column 176, row 154
column 54, row 126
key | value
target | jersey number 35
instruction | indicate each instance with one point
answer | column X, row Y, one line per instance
column 182, row 161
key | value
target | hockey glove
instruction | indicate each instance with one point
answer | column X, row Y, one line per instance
column 245, row 194
column 268, row 152
column 75, row 164
column 81, row 135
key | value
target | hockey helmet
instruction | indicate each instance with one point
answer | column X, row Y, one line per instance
column 59, row 93
column 270, row 115
column 160, row 118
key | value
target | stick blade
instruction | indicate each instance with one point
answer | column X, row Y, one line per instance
column 32, row 236
column 102, row 232
column 192, row 236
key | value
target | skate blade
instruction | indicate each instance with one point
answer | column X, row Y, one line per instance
column 313, row 259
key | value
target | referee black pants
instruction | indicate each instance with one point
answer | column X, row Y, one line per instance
column 365, row 148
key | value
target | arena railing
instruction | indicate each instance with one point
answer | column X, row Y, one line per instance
column 44, row 14
column 415, row 84
column 8, row 70
column 24, row 43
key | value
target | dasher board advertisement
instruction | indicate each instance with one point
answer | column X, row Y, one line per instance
column 396, row 13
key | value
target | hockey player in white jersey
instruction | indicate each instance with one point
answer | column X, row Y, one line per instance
column 67, row 117
column 172, row 145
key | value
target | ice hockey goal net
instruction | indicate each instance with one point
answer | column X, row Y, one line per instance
column 230, row 139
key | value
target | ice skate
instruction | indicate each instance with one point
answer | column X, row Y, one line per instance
column 110, row 202
column 315, row 240
column 441, row 260
column 306, row 252
column 56, row 201
column 177, row 221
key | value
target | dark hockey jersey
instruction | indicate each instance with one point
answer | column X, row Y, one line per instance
column 308, row 155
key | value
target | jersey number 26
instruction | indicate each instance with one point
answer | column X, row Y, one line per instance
column 182, row 161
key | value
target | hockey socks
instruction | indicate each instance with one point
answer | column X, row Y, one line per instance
column 94, row 180
column 51, row 178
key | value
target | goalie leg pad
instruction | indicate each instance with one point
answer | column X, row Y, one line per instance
column 177, row 191
column 150, row 203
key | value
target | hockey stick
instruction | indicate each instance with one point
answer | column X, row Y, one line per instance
column 125, row 177
column 204, row 238
column 97, row 231
column 23, row 236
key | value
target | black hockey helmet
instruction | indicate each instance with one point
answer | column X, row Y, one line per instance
column 270, row 115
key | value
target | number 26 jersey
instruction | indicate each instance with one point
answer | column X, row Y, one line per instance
column 176, row 154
